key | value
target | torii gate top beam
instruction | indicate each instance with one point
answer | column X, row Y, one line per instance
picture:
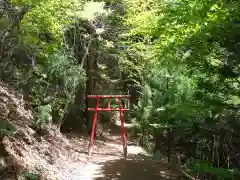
column 108, row 96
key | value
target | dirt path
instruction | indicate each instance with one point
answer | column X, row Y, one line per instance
column 107, row 163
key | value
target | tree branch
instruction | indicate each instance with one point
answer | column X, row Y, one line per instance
column 87, row 51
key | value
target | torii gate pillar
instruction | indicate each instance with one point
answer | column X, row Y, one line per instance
column 120, row 109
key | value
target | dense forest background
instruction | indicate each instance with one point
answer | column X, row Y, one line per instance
column 178, row 59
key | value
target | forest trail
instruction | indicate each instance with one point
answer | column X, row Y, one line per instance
column 107, row 163
column 57, row 156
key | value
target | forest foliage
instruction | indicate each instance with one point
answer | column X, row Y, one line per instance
column 178, row 59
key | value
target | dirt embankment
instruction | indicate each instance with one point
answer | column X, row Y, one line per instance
column 22, row 149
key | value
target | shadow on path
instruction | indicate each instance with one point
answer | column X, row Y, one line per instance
column 107, row 162
column 138, row 167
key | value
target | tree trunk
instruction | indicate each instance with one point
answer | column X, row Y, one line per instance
column 90, row 66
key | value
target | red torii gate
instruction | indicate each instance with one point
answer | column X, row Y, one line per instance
column 97, row 108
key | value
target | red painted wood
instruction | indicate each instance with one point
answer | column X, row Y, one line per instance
column 93, row 128
column 121, row 109
column 123, row 130
column 106, row 109
column 108, row 96
column 109, row 103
